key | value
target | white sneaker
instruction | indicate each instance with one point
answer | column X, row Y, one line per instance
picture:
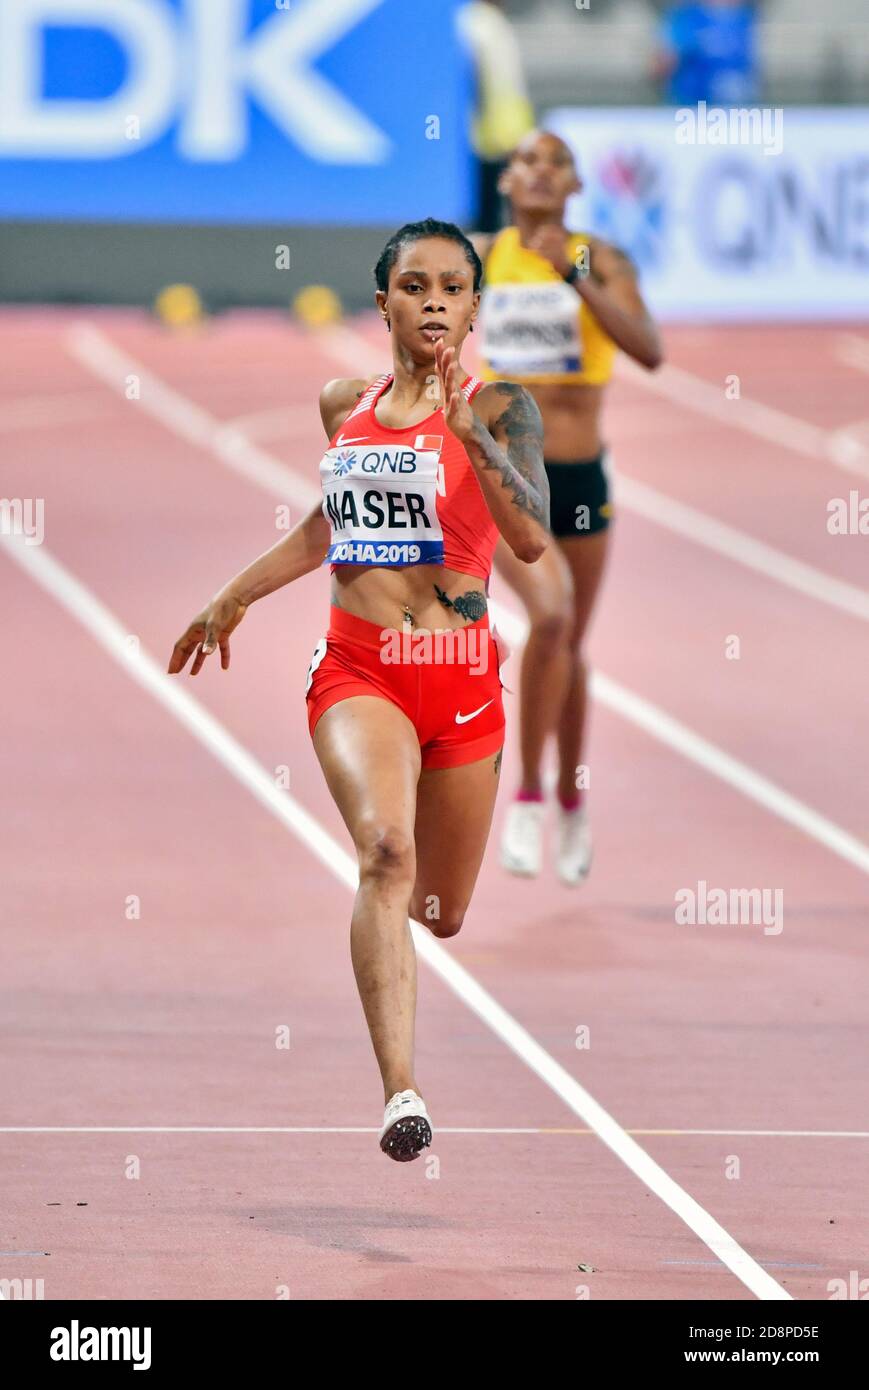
column 574, row 845
column 522, row 838
column 406, row 1127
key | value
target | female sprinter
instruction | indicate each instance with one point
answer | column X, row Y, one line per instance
column 549, row 323
column 425, row 467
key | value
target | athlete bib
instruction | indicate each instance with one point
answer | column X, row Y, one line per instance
column 531, row 329
column 381, row 503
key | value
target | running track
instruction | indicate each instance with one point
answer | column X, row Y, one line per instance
column 147, row 1043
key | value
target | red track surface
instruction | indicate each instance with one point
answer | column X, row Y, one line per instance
column 170, row 1020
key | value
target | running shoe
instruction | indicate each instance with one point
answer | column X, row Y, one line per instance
column 574, row 845
column 522, row 839
column 406, row 1127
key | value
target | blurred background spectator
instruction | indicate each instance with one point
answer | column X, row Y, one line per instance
column 503, row 112
column 707, row 52
column 806, row 53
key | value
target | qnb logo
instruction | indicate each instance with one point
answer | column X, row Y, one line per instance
column 343, row 462
column 197, row 67
column 629, row 203
column 76, row 1343
column 390, row 461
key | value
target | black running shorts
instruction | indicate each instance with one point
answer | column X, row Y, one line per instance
column 579, row 496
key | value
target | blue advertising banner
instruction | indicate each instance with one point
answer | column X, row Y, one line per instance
column 308, row 111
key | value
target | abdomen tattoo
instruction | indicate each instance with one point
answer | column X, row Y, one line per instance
column 470, row 606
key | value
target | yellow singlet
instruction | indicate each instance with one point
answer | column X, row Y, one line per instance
column 534, row 325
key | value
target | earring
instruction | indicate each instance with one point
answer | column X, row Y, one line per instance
column 472, row 328
column 388, row 325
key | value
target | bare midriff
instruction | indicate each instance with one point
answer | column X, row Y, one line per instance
column 571, row 419
column 387, row 596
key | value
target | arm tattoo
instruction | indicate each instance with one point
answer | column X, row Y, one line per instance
column 520, row 464
column 471, row 605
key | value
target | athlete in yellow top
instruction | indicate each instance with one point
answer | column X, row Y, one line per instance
column 557, row 306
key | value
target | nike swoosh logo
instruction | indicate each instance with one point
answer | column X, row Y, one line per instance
column 463, row 718
column 357, row 440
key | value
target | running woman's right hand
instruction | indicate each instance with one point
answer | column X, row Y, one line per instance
column 209, row 629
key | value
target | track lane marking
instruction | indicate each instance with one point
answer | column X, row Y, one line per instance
column 50, row 411
column 101, row 356
column 852, row 350
column 441, row 1129
column 682, row 388
column 690, row 392
column 111, row 635
column 351, row 349
column 94, row 350
column 733, row 544
column 276, row 421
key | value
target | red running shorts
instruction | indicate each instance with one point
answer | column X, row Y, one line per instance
column 448, row 683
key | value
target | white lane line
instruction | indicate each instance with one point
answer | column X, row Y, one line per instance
column 701, row 751
column 280, row 420
column 354, row 352
column 182, row 416
column 249, row 1129
column 735, row 773
column 838, row 447
column 765, row 1133
column 849, row 445
column 737, row 545
column 112, row 635
column 94, row 350
column 852, row 351
column 690, row 392
column 441, row 1129
column 50, row 411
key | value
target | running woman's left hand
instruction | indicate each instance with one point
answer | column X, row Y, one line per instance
column 458, row 415
column 550, row 241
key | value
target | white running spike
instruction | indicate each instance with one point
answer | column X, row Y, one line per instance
column 522, row 839
column 574, row 855
column 407, row 1127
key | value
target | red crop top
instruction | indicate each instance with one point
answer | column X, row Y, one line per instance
column 405, row 496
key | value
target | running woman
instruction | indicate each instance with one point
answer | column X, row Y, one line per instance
column 425, row 467
column 556, row 307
